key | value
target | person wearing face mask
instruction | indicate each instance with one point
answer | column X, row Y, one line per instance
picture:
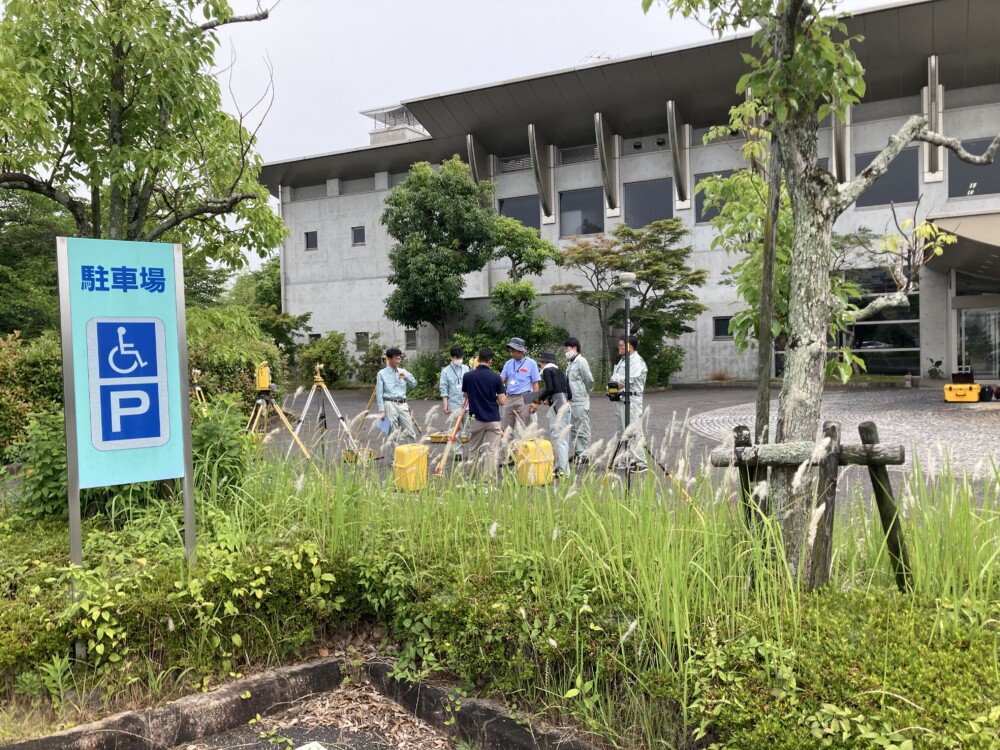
column 633, row 442
column 581, row 382
column 452, row 397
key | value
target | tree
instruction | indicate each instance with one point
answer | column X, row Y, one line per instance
column 664, row 302
column 29, row 225
column 110, row 109
column 802, row 71
column 260, row 292
column 444, row 227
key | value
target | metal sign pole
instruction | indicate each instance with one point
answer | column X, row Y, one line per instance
column 190, row 534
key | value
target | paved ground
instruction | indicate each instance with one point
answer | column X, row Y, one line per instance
column 692, row 421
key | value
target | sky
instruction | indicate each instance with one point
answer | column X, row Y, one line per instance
column 330, row 59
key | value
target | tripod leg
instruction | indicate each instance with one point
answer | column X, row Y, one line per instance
column 293, row 433
column 343, row 422
column 298, row 423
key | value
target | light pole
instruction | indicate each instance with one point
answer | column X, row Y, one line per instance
column 627, row 282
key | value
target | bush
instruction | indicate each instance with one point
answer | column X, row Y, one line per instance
column 226, row 344
column 220, row 443
column 15, row 406
column 371, row 361
column 663, row 361
column 331, row 352
column 426, row 368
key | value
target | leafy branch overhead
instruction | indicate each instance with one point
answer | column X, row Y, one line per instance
column 111, row 110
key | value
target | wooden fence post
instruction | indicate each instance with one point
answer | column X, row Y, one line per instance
column 892, row 524
column 822, row 548
column 748, row 474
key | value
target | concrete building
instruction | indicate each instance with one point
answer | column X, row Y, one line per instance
column 577, row 151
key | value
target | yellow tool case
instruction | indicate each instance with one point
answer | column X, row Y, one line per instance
column 961, row 392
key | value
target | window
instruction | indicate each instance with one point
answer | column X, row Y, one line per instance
column 898, row 185
column 526, row 209
column 312, row 240
column 578, row 154
column 357, row 235
column 361, row 341
column 515, row 163
column 581, row 212
column 411, row 338
column 314, row 337
column 703, row 214
column 966, row 179
column 720, row 328
column 649, row 201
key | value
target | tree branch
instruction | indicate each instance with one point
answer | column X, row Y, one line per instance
column 259, row 16
column 213, row 207
column 76, row 207
column 880, row 304
column 851, row 191
column 955, row 146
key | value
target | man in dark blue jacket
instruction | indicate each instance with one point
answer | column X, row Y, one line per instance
column 486, row 393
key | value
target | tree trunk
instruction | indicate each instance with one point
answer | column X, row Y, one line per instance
column 808, row 318
column 116, row 139
column 764, row 342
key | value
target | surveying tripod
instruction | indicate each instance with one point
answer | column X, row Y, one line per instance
column 199, row 394
column 265, row 403
column 320, row 385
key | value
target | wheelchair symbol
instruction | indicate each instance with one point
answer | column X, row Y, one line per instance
column 124, row 351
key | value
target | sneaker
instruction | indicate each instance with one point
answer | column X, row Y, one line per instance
column 638, row 468
column 558, row 474
column 581, row 460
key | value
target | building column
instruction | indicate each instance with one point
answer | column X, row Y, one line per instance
column 679, row 134
column 608, row 145
column 542, row 162
column 932, row 100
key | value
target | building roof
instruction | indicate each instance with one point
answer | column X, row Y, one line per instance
column 632, row 92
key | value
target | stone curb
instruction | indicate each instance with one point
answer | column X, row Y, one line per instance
column 196, row 716
column 485, row 724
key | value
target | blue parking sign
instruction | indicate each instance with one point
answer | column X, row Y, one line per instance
column 123, row 337
column 126, row 360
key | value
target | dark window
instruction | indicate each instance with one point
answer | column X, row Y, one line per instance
column 898, row 185
column 720, row 328
column 411, row 338
column 649, row 201
column 361, row 341
column 357, row 235
column 703, row 215
column 581, row 212
column 312, row 240
column 526, row 209
column 315, row 337
column 972, row 179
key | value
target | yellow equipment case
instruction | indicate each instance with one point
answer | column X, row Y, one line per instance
column 410, row 466
column 535, row 462
column 961, row 392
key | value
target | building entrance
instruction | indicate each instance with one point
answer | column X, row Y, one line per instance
column 979, row 342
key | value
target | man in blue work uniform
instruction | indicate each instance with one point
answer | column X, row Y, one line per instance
column 452, row 397
column 391, row 385
column 520, row 376
column 485, row 391
column 634, row 442
column 581, row 382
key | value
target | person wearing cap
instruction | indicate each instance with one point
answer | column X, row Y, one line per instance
column 452, row 397
column 486, row 393
column 581, row 382
column 520, row 376
column 635, row 453
column 391, row 385
column 558, row 396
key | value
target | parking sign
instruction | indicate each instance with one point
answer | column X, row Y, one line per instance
column 122, row 337
column 126, row 363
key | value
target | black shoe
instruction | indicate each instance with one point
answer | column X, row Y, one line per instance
column 581, row 460
column 557, row 473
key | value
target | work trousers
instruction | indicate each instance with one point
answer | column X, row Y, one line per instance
column 580, row 420
column 484, row 445
column 559, row 430
column 515, row 414
column 400, row 426
column 634, row 450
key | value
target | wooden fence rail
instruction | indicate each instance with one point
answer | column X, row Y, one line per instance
column 753, row 461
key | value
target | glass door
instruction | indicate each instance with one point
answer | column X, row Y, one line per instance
column 979, row 342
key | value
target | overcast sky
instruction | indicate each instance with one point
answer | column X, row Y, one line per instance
column 333, row 58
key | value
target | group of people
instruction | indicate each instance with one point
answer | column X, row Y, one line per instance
column 494, row 404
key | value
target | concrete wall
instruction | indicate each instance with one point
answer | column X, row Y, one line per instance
column 344, row 286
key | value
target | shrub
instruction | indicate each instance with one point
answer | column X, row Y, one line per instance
column 15, row 406
column 663, row 361
column 331, row 352
column 219, row 442
column 226, row 344
column 371, row 361
column 426, row 368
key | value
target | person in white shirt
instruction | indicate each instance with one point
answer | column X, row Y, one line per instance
column 635, row 444
column 452, row 397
